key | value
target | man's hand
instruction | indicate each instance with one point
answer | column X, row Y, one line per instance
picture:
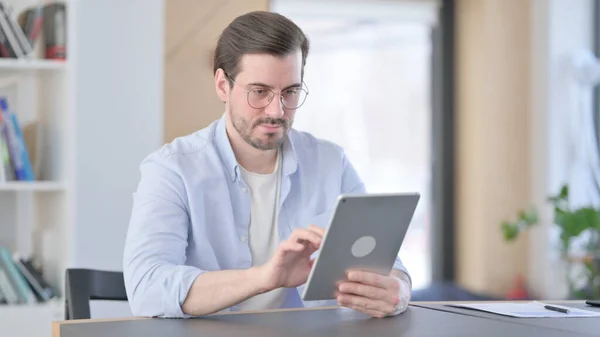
column 290, row 266
column 373, row 294
column 291, row 263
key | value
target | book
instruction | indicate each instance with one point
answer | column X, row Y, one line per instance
column 42, row 290
column 8, row 171
column 20, row 32
column 5, row 50
column 19, row 283
column 9, row 292
column 3, row 168
column 55, row 31
column 18, row 153
column 31, row 21
column 11, row 21
column 11, row 43
column 2, row 298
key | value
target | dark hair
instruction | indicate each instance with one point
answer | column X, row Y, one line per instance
column 256, row 33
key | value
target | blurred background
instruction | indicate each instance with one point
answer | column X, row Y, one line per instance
column 488, row 108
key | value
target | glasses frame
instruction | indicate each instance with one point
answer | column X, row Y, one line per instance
column 273, row 96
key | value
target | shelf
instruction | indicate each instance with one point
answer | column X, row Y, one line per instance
column 9, row 64
column 16, row 309
column 30, row 319
column 33, row 186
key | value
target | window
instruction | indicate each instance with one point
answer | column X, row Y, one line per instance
column 369, row 78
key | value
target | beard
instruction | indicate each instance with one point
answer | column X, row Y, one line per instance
column 264, row 141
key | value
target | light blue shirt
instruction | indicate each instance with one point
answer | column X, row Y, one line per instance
column 191, row 213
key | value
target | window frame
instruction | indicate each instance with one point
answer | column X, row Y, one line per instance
column 596, row 91
column 443, row 240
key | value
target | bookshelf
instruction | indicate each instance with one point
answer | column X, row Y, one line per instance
column 31, row 65
column 37, row 216
column 36, row 186
column 33, row 320
column 95, row 117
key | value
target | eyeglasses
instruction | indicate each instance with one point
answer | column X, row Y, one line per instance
column 261, row 97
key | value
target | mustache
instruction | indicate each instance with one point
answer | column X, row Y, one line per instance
column 271, row 121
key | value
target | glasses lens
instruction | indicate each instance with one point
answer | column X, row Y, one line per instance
column 259, row 98
column 293, row 98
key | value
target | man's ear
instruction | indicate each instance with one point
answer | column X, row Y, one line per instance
column 222, row 85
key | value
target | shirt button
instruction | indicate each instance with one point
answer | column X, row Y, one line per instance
column 244, row 189
column 243, row 238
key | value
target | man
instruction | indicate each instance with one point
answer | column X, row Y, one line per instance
column 229, row 217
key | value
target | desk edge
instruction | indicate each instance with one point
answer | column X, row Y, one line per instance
column 56, row 325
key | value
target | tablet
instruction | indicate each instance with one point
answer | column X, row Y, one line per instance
column 365, row 232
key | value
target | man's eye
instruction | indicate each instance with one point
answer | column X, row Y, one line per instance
column 292, row 92
column 260, row 92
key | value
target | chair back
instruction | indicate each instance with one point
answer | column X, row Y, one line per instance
column 83, row 285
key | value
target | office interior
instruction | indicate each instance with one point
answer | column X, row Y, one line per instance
column 488, row 108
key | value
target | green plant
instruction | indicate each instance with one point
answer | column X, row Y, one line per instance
column 573, row 224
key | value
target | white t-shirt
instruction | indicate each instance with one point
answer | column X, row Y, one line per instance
column 263, row 234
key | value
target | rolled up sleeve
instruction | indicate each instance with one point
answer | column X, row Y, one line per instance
column 156, row 280
column 404, row 294
column 398, row 265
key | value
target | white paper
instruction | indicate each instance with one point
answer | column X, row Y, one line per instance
column 527, row 309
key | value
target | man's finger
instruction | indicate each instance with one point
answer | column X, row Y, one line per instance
column 317, row 229
column 364, row 290
column 292, row 246
column 372, row 313
column 364, row 304
column 372, row 279
column 304, row 234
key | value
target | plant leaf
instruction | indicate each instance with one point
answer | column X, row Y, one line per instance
column 510, row 230
column 531, row 216
column 560, row 217
column 561, row 198
column 584, row 219
column 564, row 192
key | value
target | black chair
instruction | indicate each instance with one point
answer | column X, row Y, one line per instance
column 83, row 285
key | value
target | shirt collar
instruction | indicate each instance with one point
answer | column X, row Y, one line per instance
column 290, row 162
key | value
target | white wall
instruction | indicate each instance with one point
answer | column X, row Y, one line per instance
column 119, row 73
column 559, row 28
column 119, row 108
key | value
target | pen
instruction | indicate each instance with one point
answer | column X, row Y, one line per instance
column 553, row 308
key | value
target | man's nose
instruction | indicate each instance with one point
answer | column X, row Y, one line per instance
column 275, row 109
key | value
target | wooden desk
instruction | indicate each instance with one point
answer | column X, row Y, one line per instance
column 418, row 321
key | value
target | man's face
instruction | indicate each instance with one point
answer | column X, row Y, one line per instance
column 264, row 127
